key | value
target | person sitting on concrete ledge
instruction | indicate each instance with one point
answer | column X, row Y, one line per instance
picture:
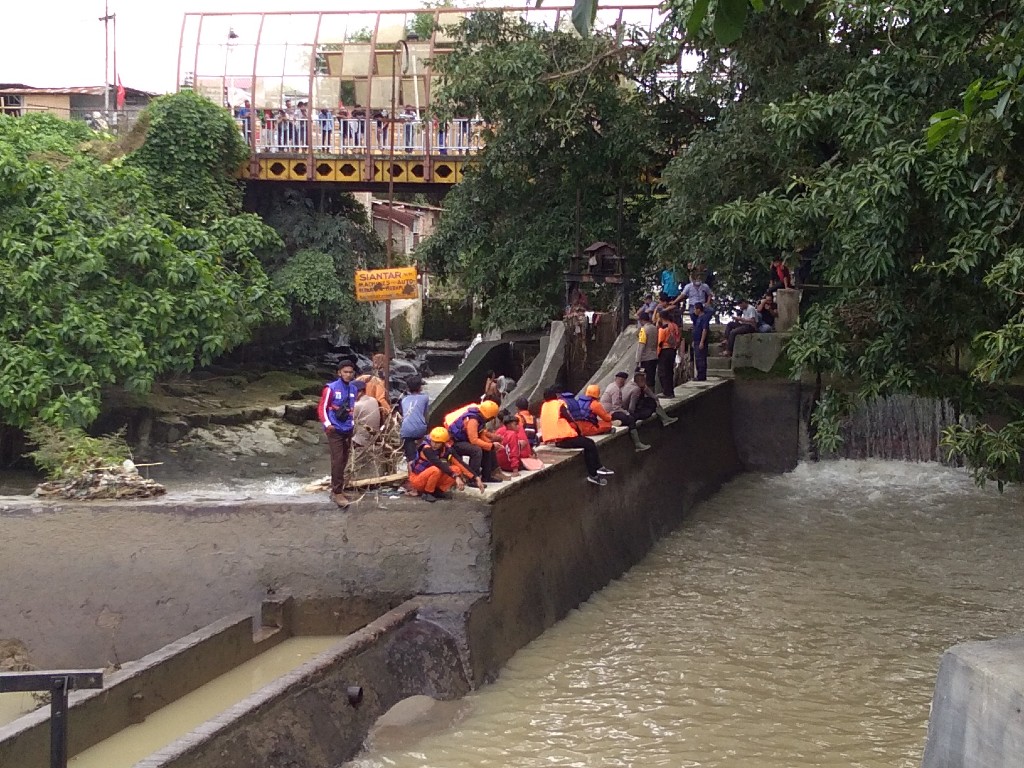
column 514, row 445
column 594, row 419
column 471, row 439
column 642, row 403
column 558, row 428
column 527, row 421
column 436, row 468
column 746, row 323
column 614, row 400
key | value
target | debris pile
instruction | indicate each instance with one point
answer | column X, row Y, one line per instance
column 114, row 482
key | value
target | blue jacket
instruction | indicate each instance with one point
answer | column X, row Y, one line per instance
column 337, row 404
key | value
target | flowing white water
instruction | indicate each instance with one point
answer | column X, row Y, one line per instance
column 792, row 621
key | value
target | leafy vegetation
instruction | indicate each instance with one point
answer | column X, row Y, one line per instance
column 326, row 240
column 875, row 146
column 916, row 243
column 117, row 272
column 562, row 131
column 68, row 452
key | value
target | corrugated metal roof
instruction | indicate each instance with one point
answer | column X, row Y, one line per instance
column 19, row 89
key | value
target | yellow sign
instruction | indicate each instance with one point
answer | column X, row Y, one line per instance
column 385, row 284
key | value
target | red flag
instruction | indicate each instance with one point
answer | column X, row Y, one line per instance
column 120, row 94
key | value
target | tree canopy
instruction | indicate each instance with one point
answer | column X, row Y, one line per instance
column 875, row 146
column 564, row 134
column 113, row 272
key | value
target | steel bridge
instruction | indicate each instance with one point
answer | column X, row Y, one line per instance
column 344, row 97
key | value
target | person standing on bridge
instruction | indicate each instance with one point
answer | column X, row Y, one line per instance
column 336, row 411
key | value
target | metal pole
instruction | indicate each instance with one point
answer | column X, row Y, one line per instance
column 391, row 209
column 58, row 683
column 105, row 18
column 59, row 723
column 116, row 81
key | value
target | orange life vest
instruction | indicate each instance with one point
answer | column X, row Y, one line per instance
column 553, row 425
column 451, row 417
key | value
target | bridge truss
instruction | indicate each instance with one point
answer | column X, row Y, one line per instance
column 344, row 97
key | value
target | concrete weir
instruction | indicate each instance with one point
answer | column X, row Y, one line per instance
column 976, row 719
column 438, row 596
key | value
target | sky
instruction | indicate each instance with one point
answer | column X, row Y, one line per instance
column 60, row 42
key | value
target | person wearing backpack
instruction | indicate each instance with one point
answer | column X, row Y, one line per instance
column 669, row 338
column 594, row 419
column 470, row 438
column 558, row 428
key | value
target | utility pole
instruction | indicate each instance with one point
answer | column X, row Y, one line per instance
column 106, row 18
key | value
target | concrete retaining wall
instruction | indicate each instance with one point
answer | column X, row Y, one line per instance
column 139, row 689
column 977, row 718
column 305, row 718
column 92, row 584
column 557, row 539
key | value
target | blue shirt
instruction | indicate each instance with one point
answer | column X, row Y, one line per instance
column 699, row 326
column 414, row 416
column 670, row 283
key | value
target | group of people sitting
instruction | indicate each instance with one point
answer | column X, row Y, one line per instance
column 479, row 442
column 750, row 319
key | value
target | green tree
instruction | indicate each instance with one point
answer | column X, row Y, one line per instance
column 325, row 241
column 919, row 246
column 561, row 127
column 100, row 284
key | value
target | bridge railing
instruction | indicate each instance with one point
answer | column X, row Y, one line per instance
column 347, row 136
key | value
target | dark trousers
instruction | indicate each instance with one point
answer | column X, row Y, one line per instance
column 590, row 455
column 650, row 369
column 481, row 462
column 410, row 447
column 340, row 445
column 624, row 418
column 667, row 371
column 738, row 330
column 700, row 362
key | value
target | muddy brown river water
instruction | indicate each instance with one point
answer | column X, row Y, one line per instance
column 792, row 621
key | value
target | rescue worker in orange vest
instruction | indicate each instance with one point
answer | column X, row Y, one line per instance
column 436, row 468
column 469, row 438
column 669, row 339
column 558, row 428
column 595, row 419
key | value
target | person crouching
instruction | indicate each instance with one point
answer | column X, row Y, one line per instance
column 436, row 468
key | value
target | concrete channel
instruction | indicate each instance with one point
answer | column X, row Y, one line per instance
column 393, row 599
column 423, row 599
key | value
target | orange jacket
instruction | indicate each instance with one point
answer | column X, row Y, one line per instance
column 375, row 388
column 553, row 423
column 604, row 421
column 474, row 434
column 669, row 337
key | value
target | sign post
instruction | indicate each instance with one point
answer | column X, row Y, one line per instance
column 385, row 285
